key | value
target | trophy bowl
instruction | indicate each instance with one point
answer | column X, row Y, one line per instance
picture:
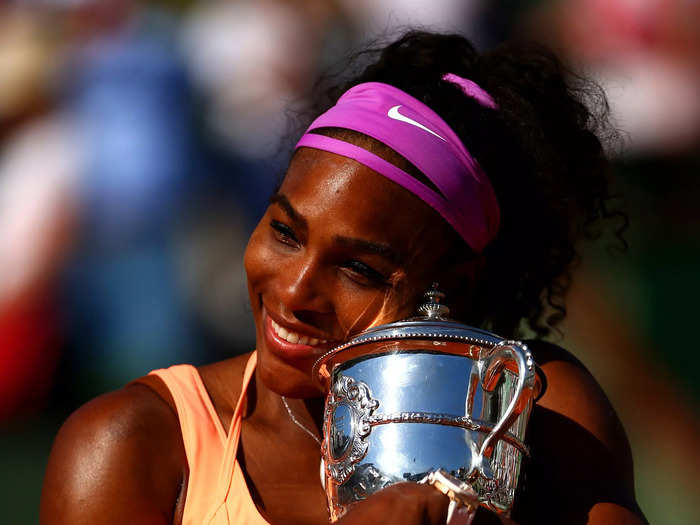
column 409, row 398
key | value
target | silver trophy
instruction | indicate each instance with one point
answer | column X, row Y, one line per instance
column 426, row 394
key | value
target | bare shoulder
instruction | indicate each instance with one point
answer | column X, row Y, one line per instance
column 572, row 391
column 117, row 459
column 581, row 462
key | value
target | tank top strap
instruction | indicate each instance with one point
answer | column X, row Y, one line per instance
column 234, row 431
column 203, row 436
column 211, row 452
column 235, row 503
column 198, row 418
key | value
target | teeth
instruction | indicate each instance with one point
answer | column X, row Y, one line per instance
column 295, row 338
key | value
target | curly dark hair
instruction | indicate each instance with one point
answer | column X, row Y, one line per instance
column 542, row 150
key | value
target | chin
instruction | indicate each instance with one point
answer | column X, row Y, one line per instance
column 289, row 376
column 287, row 380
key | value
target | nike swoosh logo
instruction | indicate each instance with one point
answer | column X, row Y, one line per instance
column 393, row 113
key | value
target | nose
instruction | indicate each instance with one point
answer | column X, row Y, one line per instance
column 304, row 291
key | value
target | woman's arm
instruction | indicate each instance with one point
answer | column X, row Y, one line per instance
column 118, row 459
column 581, row 469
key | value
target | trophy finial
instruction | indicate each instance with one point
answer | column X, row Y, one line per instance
column 433, row 308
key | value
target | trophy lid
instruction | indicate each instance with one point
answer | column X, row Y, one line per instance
column 431, row 323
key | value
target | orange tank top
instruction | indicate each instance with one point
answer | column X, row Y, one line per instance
column 217, row 493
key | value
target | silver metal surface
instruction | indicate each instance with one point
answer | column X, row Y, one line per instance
column 411, row 397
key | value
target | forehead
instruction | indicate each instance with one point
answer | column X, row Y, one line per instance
column 352, row 199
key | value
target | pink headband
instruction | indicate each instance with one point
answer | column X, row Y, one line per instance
column 465, row 198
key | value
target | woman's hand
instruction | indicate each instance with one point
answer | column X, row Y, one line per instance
column 400, row 504
column 412, row 504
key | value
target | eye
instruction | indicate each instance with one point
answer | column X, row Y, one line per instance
column 284, row 233
column 364, row 274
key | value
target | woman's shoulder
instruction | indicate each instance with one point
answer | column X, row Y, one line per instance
column 121, row 452
column 581, row 463
column 572, row 391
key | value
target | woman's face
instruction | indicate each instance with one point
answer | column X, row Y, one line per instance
column 340, row 249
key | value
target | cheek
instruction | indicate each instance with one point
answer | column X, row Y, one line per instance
column 257, row 259
column 359, row 311
column 404, row 297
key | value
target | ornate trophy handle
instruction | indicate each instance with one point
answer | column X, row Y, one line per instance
column 489, row 372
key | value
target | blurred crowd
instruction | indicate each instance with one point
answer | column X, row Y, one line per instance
column 140, row 141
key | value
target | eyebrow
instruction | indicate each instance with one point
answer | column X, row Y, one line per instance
column 381, row 249
column 283, row 202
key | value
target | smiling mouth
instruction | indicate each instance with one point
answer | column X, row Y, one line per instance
column 294, row 337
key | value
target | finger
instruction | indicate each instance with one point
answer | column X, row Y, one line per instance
column 401, row 504
column 427, row 502
column 460, row 514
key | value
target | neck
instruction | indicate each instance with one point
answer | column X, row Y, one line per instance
column 265, row 406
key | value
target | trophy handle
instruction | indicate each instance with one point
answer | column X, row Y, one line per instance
column 491, row 370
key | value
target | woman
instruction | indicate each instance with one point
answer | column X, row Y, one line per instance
column 437, row 164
